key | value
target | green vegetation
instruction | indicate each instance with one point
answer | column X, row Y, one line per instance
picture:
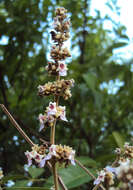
column 100, row 121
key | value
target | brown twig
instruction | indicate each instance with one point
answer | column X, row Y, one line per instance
column 88, row 172
column 16, row 125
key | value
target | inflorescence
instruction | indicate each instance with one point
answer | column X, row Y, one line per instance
column 122, row 170
column 54, row 153
column 59, row 88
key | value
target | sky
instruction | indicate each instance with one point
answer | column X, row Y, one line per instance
column 126, row 16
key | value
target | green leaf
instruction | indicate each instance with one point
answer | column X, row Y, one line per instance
column 98, row 99
column 118, row 138
column 35, row 172
column 90, row 80
column 85, row 160
column 73, row 176
column 21, row 183
column 13, row 177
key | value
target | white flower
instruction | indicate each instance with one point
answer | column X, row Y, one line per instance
column 51, row 110
column 63, row 113
column 43, row 161
column 71, row 157
column 38, row 158
column 40, row 88
column 110, row 169
column 126, row 145
column 100, row 177
column 41, row 120
column 62, row 68
column 125, row 162
column 52, row 150
column 124, row 166
column 30, row 156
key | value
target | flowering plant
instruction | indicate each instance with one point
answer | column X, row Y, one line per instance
column 50, row 153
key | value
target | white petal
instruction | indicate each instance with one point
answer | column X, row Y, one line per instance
column 62, row 117
column 42, row 163
column 73, row 162
column 96, row 182
column 110, row 169
column 29, row 162
column 63, row 73
column 41, row 127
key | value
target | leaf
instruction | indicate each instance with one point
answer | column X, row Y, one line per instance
column 35, row 172
column 85, row 160
column 90, row 80
column 73, row 176
column 118, row 138
column 98, row 99
column 13, row 177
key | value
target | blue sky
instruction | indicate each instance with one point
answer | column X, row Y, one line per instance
column 126, row 16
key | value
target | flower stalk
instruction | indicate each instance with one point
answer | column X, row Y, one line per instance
column 54, row 112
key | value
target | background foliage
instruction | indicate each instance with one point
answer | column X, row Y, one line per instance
column 100, row 110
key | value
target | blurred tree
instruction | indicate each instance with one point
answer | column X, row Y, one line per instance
column 95, row 112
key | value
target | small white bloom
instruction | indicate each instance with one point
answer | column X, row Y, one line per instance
column 41, row 120
column 51, row 110
column 38, row 158
column 63, row 113
column 110, row 169
column 30, row 156
column 62, row 68
column 100, row 177
column 43, row 161
column 40, row 88
column 52, row 150
column 126, row 145
column 71, row 157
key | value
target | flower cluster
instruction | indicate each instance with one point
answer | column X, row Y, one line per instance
column 61, row 154
column 37, row 154
column 125, row 153
column 54, row 153
column 58, row 88
column 1, row 174
column 122, row 170
column 58, row 51
column 106, row 175
column 125, row 175
column 52, row 112
column 61, row 26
